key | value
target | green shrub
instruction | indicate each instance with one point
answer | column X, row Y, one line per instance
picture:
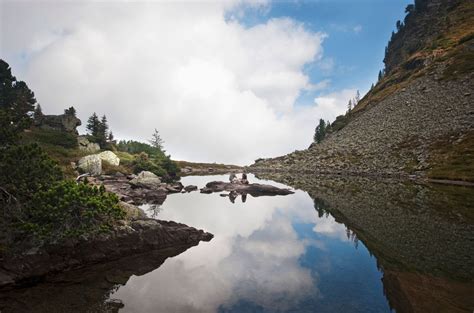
column 36, row 204
column 136, row 147
column 69, row 210
column 110, row 169
column 52, row 137
column 143, row 163
column 26, row 170
column 170, row 167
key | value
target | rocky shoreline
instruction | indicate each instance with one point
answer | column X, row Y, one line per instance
column 135, row 235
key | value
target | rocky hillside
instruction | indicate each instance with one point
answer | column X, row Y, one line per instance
column 419, row 118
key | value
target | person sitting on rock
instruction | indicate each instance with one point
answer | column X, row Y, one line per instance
column 234, row 179
column 244, row 179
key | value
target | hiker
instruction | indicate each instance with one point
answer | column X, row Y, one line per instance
column 244, row 179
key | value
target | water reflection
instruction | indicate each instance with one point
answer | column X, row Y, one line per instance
column 341, row 245
column 86, row 290
column 269, row 254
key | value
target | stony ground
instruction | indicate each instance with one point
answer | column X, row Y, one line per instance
column 393, row 136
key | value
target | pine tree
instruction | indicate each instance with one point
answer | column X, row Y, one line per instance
column 111, row 136
column 38, row 113
column 349, row 106
column 320, row 131
column 102, row 132
column 17, row 102
column 156, row 140
column 399, row 25
column 410, row 8
column 93, row 125
column 71, row 111
column 357, row 98
column 380, row 76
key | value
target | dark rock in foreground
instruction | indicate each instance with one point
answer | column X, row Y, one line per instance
column 134, row 237
column 255, row 190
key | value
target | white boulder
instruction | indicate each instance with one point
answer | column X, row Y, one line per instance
column 146, row 179
column 110, row 157
column 91, row 164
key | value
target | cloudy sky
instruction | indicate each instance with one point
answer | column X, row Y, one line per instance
column 222, row 81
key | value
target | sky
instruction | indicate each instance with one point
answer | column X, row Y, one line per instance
column 222, row 81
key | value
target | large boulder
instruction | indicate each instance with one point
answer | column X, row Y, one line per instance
column 254, row 190
column 91, row 164
column 146, row 180
column 109, row 157
column 85, row 145
column 63, row 122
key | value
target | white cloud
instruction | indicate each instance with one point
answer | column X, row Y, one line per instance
column 357, row 29
column 333, row 104
column 216, row 90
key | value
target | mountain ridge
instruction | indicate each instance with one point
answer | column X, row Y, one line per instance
column 419, row 118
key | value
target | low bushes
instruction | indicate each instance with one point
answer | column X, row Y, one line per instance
column 38, row 206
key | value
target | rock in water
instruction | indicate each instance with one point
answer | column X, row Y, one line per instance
column 91, row 164
column 109, row 157
column 190, row 188
column 146, row 179
column 254, row 190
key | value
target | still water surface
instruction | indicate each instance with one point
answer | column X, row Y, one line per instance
column 336, row 245
column 269, row 254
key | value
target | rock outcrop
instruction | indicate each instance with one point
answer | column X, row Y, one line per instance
column 85, row 145
column 134, row 237
column 421, row 106
column 63, row 122
column 146, row 179
column 129, row 190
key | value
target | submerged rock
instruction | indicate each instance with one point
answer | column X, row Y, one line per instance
column 190, row 188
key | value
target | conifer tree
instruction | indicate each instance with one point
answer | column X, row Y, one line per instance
column 320, row 131
column 102, row 133
column 156, row 140
column 93, row 125
column 17, row 102
column 71, row 111
column 38, row 113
